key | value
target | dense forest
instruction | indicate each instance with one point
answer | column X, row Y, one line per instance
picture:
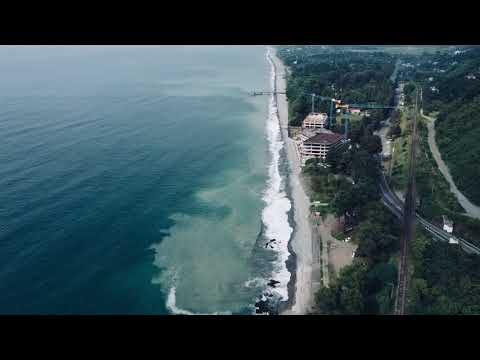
column 451, row 88
column 348, row 76
column 445, row 279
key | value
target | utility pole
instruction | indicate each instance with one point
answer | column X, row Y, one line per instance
column 391, row 164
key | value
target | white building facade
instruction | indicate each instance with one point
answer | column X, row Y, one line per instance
column 315, row 121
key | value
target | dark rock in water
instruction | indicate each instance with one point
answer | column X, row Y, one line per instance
column 266, row 307
column 262, row 307
column 268, row 243
column 272, row 283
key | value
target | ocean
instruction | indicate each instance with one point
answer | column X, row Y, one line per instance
column 140, row 180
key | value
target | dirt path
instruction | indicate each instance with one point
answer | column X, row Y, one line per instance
column 339, row 252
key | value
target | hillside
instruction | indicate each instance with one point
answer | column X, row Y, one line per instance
column 451, row 87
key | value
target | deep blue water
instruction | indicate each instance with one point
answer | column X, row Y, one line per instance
column 103, row 150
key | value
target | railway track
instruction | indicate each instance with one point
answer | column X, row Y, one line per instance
column 409, row 217
column 395, row 205
column 406, row 213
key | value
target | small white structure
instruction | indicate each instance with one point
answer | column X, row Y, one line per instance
column 315, row 120
column 434, row 89
column 387, row 149
column 471, row 77
column 452, row 241
column 447, row 224
column 430, row 79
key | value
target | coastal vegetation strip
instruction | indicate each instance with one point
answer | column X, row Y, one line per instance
column 349, row 184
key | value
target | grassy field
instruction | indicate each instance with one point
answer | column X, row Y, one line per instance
column 400, row 154
column 320, row 187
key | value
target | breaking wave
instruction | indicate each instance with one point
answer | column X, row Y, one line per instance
column 278, row 205
column 172, row 305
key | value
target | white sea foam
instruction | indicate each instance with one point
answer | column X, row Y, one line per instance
column 258, row 281
column 275, row 213
column 172, row 305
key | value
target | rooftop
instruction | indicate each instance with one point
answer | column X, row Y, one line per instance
column 314, row 116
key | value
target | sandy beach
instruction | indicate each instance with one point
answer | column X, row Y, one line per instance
column 302, row 237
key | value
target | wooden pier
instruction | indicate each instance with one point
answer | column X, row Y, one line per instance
column 257, row 93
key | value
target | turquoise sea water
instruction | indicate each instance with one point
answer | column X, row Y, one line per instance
column 131, row 179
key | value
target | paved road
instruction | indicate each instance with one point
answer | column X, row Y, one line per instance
column 471, row 209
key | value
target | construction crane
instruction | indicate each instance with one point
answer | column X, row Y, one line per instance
column 336, row 104
column 333, row 103
column 346, row 110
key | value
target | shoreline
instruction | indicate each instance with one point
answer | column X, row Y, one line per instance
column 313, row 249
column 301, row 241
